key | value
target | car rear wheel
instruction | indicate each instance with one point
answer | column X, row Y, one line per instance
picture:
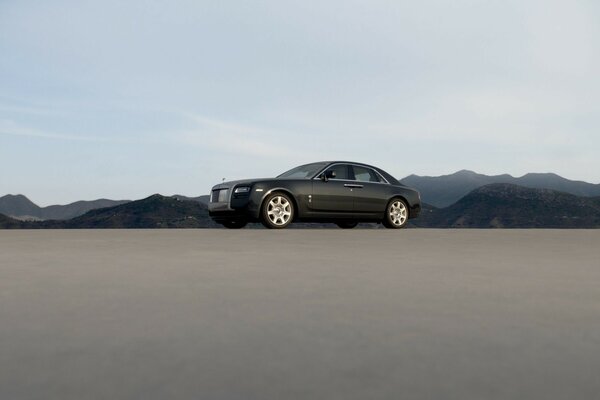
column 396, row 214
column 277, row 211
column 235, row 224
column 347, row 224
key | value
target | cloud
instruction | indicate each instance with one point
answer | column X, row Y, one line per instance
column 563, row 38
column 14, row 109
column 237, row 138
column 11, row 128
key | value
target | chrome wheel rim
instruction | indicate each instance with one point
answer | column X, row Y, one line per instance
column 398, row 213
column 279, row 210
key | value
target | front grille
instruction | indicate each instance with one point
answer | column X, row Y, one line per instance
column 219, row 196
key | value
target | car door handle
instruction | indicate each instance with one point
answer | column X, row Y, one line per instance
column 353, row 185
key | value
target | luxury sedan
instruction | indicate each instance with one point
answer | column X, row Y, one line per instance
column 341, row 192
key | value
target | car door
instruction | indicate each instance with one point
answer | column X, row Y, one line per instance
column 333, row 194
column 372, row 195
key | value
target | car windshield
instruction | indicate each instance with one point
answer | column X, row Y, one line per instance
column 303, row 171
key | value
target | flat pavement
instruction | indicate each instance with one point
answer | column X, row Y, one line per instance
column 300, row 314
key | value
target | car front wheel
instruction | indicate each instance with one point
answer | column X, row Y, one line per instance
column 396, row 214
column 278, row 211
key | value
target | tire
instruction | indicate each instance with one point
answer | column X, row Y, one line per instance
column 277, row 211
column 347, row 224
column 396, row 214
column 235, row 224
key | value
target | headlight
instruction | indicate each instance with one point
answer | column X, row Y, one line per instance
column 242, row 189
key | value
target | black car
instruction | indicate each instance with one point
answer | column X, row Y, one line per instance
column 341, row 192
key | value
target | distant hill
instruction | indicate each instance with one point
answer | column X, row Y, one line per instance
column 200, row 199
column 442, row 191
column 512, row 206
column 9, row 223
column 20, row 207
column 155, row 211
column 78, row 208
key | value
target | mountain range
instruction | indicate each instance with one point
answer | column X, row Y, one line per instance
column 502, row 205
column 438, row 191
column 490, row 206
column 442, row 191
column 464, row 199
column 20, row 207
column 155, row 211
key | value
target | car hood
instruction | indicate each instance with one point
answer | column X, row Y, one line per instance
column 230, row 184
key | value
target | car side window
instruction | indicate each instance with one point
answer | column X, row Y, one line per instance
column 363, row 174
column 341, row 171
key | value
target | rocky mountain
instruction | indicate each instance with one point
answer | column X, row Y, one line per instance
column 20, row 207
column 512, row 206
column 442, row 191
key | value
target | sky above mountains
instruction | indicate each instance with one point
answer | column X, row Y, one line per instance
column 124, row 99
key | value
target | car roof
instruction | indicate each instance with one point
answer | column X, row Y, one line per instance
column 347, row 162
column 387, row 175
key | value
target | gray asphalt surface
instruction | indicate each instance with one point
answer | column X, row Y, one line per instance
column 300, row 314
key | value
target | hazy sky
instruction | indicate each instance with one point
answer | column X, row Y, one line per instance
column 123, row 99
